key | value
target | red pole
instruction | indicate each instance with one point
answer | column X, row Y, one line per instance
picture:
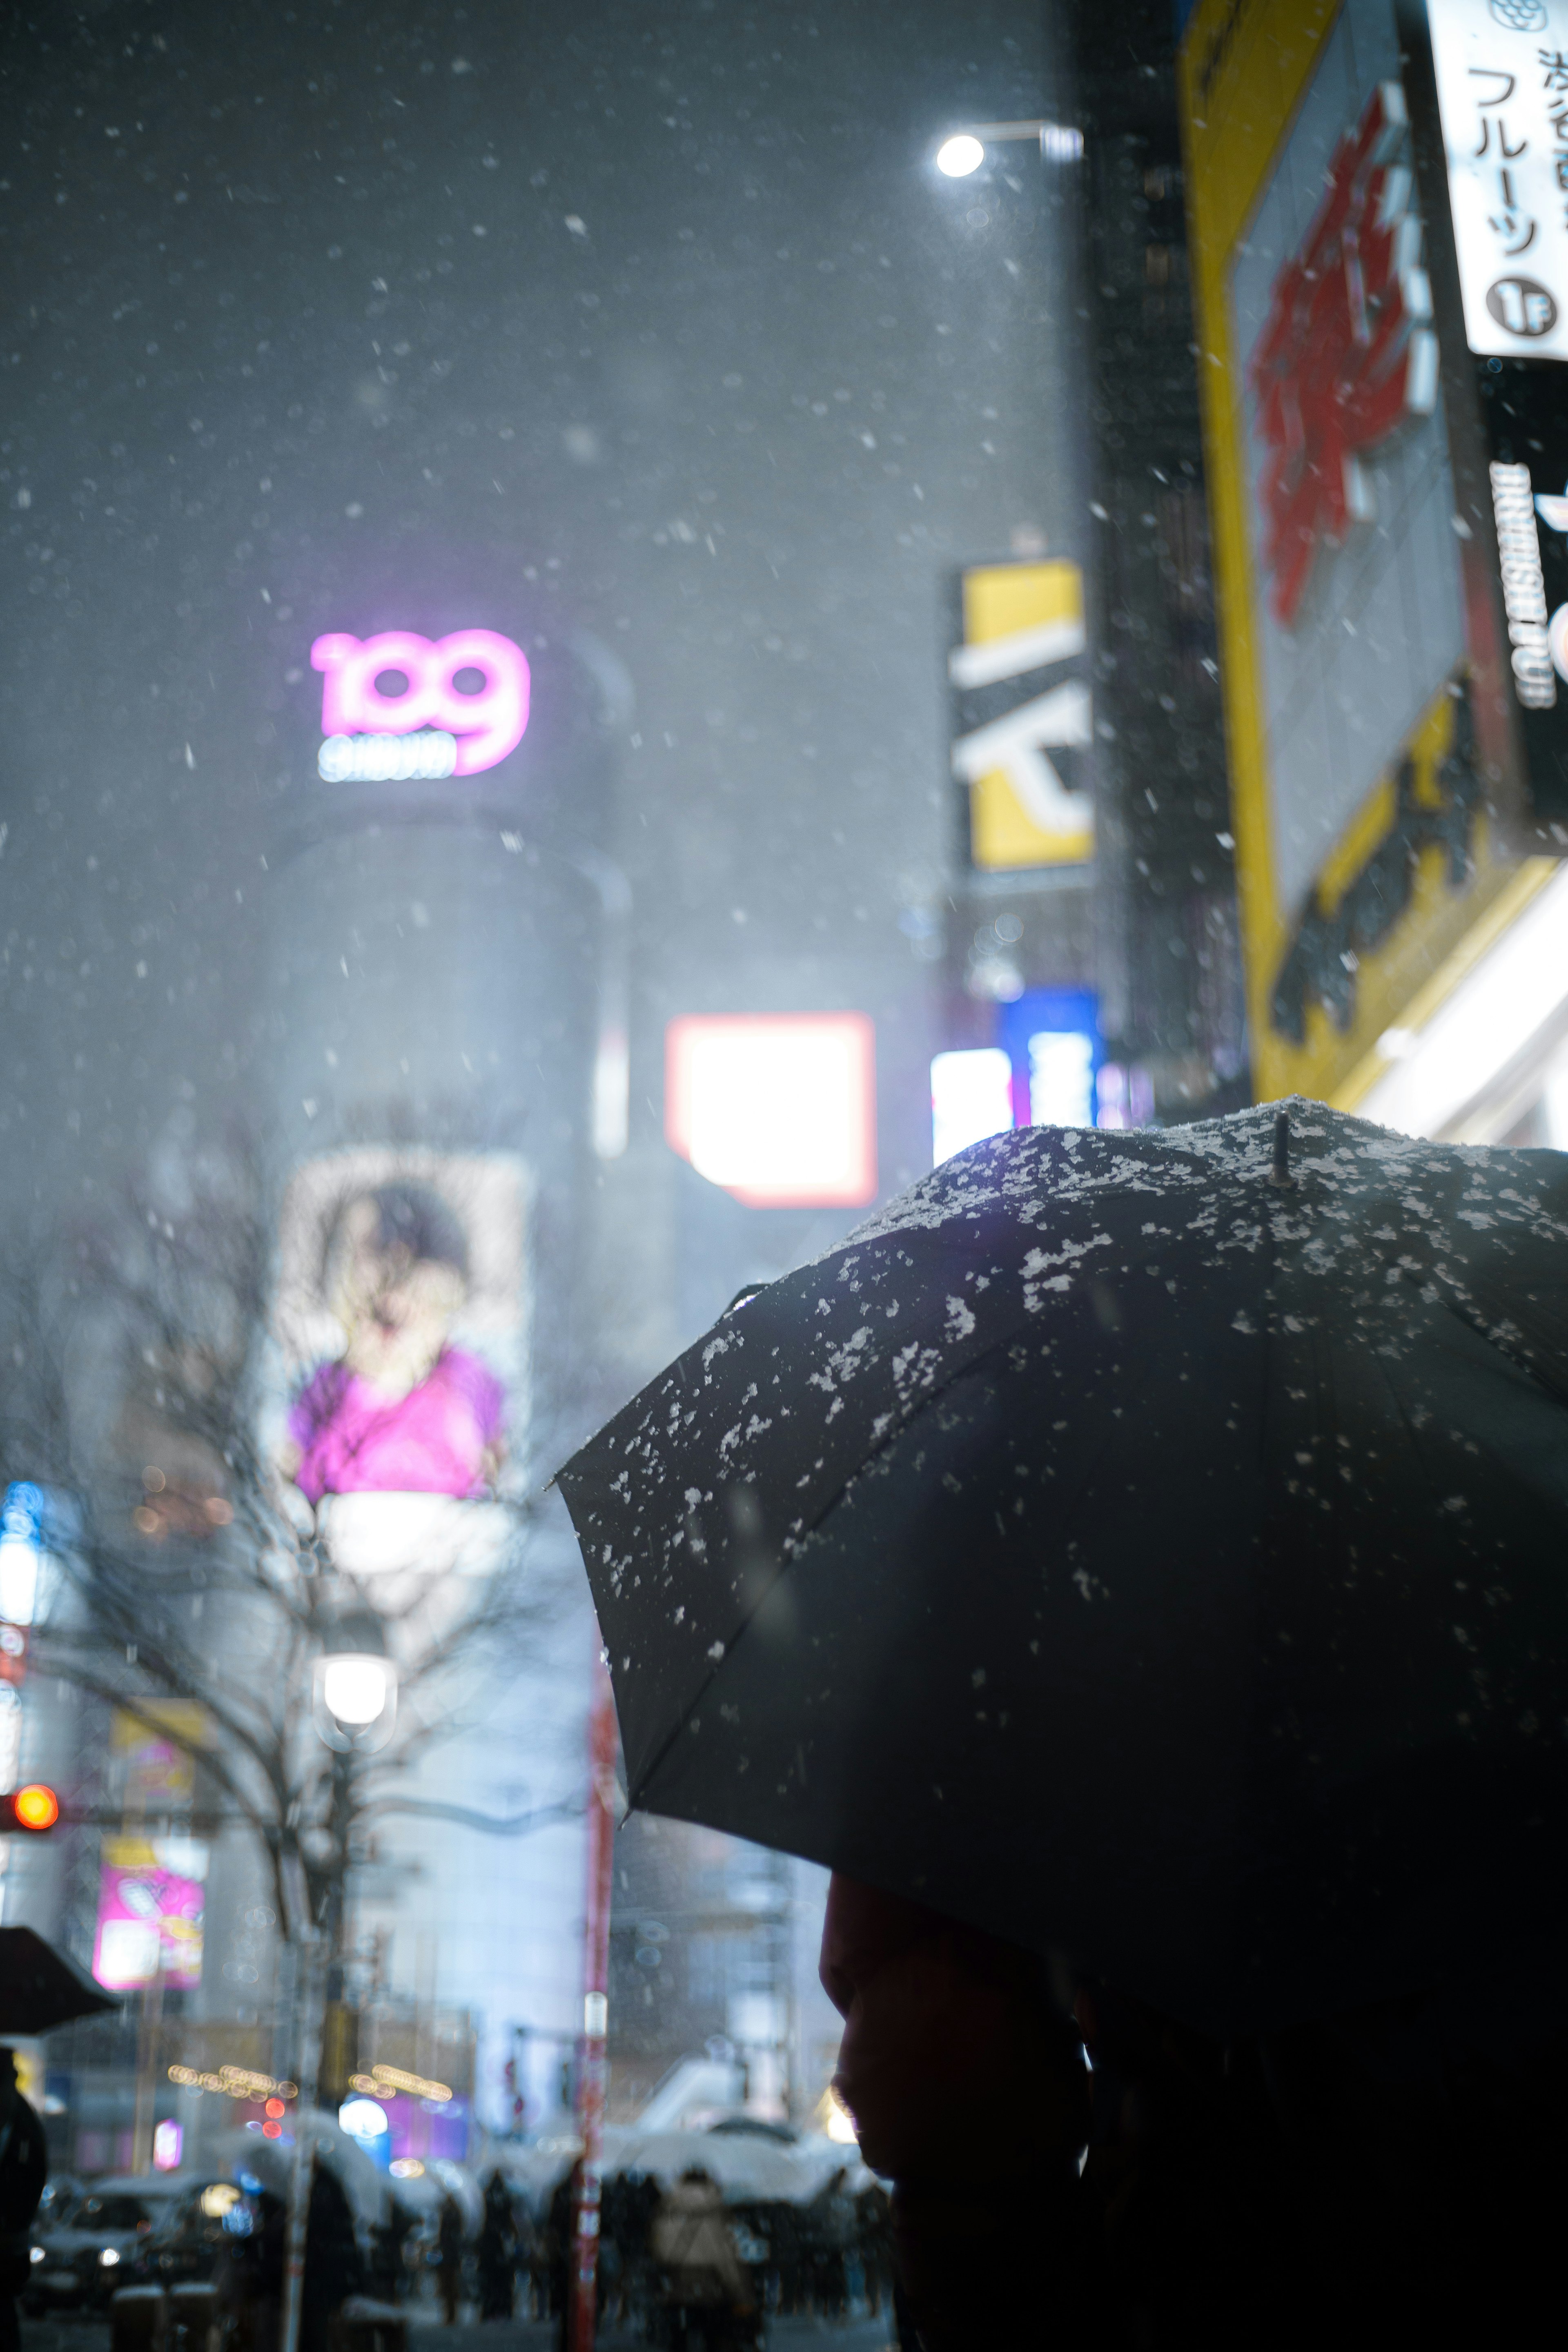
column 591, row 2073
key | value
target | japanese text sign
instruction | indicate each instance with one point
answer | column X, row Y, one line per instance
column 1502, row 87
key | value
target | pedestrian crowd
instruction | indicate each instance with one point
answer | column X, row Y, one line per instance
column 684, row 2267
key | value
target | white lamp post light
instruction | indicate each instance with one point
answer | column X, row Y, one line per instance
column 960, row 156
column 964, row 152
column 354, row 1700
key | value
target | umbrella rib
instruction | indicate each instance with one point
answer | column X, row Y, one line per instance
column 925, row 1404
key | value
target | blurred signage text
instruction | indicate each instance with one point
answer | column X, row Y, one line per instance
column 1502, row 87
column 457, row 705
column 1045, row 1070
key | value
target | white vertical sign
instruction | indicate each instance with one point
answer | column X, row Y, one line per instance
column 1502, row 87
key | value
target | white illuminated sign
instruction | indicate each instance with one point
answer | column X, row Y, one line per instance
column 21, row 1551
column 780, row 1108
column 1502, row 87
column 1061, row 1079
column 1524, row 583
column 971, row 1098
column 377, row 759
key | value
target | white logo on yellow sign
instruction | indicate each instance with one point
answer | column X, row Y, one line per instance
column 1020, row 618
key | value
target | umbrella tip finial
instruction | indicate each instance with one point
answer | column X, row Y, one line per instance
column 1279, row 1173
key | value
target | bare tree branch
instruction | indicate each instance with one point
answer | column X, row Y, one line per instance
column 137, row 1383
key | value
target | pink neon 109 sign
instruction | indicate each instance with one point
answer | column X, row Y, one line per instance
column 435, row 727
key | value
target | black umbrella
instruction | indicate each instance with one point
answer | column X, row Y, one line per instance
column 1149, row 1547
column 40, row 1989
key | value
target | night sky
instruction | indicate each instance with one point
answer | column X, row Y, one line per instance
column 648, row 321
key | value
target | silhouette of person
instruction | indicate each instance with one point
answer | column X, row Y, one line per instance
column 24, row 2168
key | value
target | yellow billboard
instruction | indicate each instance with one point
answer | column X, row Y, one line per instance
column 1022, row 715
column 1370, row 772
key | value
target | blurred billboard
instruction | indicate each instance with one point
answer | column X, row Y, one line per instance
column 1387, row 787
column 151, row 1904
column 778, row 1108
column 1044, row 1070
column 152, row 1892
column 1021, row 718
column 402, row 1323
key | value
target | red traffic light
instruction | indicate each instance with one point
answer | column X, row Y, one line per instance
column 34, row 1808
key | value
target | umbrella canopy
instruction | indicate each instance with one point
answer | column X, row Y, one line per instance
column 40, row 1989
column 748, row 2170
column 426, row 2192
column 1147, row 1547
column 248, row 2154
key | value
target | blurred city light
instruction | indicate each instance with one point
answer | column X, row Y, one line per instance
column 1123, row 1095
column 1061, row 1079
column 362, row 2120
column 168, row 2143
column 841, row 2127
column 400, row 1533
column 234, row 2082
column 778, row 1108
column 1509, row 1009
column 355, row 1699
column 971, row 1098
column 35, row 1808
column 10, row 1735
column 957, row 156
column 21, row 1543
column 385, row 2082
column 151, row 1903
column 472, row 731
column 355, row 1688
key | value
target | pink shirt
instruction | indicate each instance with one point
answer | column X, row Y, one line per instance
column 352, row 1439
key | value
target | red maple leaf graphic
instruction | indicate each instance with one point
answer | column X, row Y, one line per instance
column 1345, row 357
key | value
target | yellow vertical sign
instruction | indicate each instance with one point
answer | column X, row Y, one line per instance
column 1019, row 706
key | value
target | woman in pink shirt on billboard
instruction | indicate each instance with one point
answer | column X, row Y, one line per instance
column 401, row 1411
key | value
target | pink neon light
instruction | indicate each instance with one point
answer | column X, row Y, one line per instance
column 487, row 725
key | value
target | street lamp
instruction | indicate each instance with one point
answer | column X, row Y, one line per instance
column 355, row 1698
column 960, row 156
column 354, row 1703
column 963, row 150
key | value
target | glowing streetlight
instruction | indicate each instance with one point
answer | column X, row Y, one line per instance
column 354, row 1689
column 964, row 152
column 355, row 1699
column 960, row 156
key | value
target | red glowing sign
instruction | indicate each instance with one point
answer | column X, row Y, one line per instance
column 1345, row 357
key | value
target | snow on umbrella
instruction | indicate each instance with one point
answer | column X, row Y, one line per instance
column 748, row 2171
column 1147, row 1547
column 40, row 1989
